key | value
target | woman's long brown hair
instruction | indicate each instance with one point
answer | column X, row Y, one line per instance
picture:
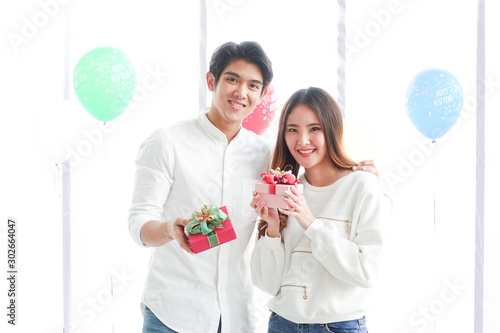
column 330, row 117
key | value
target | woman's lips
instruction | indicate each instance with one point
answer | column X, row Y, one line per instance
column 306, row 152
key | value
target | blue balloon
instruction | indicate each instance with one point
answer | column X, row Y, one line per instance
column 434, row 101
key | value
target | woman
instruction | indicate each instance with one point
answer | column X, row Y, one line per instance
column 319, row 258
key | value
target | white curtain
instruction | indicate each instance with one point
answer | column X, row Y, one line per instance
column 429, row 279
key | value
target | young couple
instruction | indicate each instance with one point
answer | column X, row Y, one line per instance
column 318, row 259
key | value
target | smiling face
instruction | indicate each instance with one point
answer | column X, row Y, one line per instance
column 235, row 95
column 305, row 139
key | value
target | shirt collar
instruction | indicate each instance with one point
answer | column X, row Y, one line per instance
column 213, row 131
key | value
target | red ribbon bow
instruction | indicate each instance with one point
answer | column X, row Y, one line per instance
column 277, row 177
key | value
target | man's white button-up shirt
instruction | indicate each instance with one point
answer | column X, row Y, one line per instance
column 178, row 170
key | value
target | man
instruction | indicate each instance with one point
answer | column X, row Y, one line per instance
column 207, row 160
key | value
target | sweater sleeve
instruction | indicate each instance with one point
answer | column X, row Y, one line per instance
column 153, row 179
column 355, row 260
column 268, row 264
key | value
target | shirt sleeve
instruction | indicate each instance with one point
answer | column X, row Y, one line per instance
column 153, row 179
column 268, row 264
column 355, row 260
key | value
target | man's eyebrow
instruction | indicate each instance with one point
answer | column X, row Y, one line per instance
column 238, row 76
column 232, row 73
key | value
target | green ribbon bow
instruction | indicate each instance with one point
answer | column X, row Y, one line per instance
column 206, row 221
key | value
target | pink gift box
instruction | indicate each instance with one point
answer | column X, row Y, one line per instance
column 200, row 243
column 273, row 194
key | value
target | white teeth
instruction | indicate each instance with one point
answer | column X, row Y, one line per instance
column 237, row 104
column 306, row 151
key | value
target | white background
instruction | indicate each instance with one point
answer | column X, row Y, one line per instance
column 428, row 284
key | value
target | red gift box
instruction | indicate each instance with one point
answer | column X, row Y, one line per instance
column 200, row 242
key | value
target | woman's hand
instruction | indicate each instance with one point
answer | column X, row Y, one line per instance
column 299, row 210
column 270, row 215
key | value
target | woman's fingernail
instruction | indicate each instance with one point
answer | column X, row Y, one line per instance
column 257, row 196
column 288, row 192
column 261, row 203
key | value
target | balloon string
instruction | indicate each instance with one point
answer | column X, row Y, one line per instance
column 434, row 180
column 434, row 232
column 104, row 143
column 107, row 221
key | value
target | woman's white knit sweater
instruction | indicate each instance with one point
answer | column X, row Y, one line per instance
column 323, row 274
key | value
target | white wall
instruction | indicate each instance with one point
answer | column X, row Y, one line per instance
column 492, row 178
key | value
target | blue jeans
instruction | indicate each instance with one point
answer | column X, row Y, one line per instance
column 153, row 325
column 278, row 324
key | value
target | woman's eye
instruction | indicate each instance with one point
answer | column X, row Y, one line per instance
column 292, row 130
column 314, row 129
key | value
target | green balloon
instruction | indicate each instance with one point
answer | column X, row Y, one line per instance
column 104, row 82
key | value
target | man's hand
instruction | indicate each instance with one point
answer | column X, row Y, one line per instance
column 368, row 166
column 155, row 233
column 177, row 228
